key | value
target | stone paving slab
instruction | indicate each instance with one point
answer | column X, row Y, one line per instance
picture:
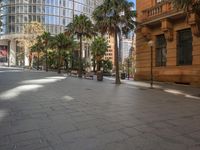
column 179, row 89
column 78, row 114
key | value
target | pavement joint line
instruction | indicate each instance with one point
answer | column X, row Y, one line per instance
column 113, row 111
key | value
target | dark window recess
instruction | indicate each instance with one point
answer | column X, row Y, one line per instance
column 184, row 47
column 161, row 51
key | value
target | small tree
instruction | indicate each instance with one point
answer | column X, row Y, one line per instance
column 128, row 64
column 61, row 42
column 52, row 55
column 107, row 65
column 46, row 38
column 38, row 48
column 67, row 58
column 30, row 33
column 99, row 47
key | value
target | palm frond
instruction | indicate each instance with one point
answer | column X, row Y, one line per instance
column 188, row 5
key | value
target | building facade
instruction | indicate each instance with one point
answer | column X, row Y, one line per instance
column 126, row 47
column 54, row 15
column 110, row 54
column 175, row 43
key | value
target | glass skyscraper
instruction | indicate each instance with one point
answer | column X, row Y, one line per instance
column 53, row 14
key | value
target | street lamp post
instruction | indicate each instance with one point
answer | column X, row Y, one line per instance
column 8, row 55
column 66, row 61
column 128, row 67
column 150, row 43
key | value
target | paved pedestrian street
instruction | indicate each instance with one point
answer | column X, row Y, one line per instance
column 46, row 111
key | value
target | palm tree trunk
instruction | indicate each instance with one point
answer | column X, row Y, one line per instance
column 80, row 59
column 46, row 60
column 30, row 60
column 72, row 59
column 59, row 61
column 117, row 79
column 66, row 64
column 98, row 66
column 38, row 60
column 94, row 65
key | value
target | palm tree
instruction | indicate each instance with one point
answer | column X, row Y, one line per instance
column 114, row 16
column 38, row 48
column 51, row 59
column 188, row 5
column 99, row 47
column 107, row 65
column 62, row 42
column 46, row 37
column 81, row 27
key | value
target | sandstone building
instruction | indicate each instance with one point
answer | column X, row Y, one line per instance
column 176, row 43
column 110, row 54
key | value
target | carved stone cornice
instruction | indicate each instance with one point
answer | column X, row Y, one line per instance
column 194, row 22
column 146, row 32
column 167, row 29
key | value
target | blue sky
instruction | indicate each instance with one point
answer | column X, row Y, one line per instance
column 134, row 1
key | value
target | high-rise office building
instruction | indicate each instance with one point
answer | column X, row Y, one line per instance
column 54, row 15
column 127, row 43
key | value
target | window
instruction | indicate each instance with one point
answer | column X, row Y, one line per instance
column 34, row 9
column 161, row 51
column 184, row 47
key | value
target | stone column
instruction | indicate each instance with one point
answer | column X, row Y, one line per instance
column 26, row 56
column 12, row 53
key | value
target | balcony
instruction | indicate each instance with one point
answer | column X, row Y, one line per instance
column 161, row 10
column 164, row 14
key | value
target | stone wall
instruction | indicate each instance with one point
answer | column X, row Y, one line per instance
column 189, row 74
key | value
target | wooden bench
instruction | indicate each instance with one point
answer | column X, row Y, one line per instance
column 73, row 73
column 89, row 75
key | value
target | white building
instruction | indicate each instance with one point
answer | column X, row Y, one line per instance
column 127, row 43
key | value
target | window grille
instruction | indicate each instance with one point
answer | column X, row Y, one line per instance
column 161, row 51
column 184, row 47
